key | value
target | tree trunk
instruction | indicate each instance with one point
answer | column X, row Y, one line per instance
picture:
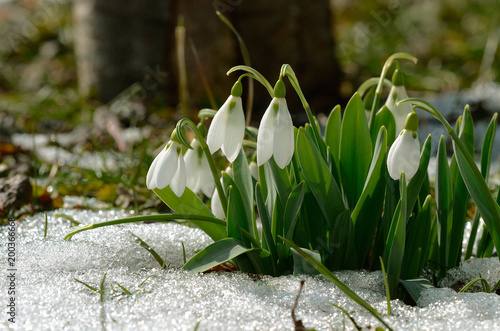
column 120, row 42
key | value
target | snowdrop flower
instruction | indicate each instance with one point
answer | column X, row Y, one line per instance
column 404, row 154
column 199, row 176
column 254, row 170
column 398, row 93
column 168, row 168
column 215, row 204
column 228, row 126
column 275, row 136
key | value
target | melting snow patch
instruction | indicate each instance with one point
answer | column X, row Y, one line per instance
column 49, row 297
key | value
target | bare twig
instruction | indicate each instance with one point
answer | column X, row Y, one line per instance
column 298, row 323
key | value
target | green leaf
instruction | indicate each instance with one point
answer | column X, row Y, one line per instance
column 384, row 117
column 282, row 182
column 236, row 215
column 395, row 245
column 219, row 252
column 415, row 184
column 243, row 180
column 489, row 138
column 366, row 214
column 485, row 171
column 416, row 286
column 444, row 205
column 190, row 203
column 300, row 264
column 332, row 134
column 318, row 177
column 150, row 250
column 341, row 251
column 418, row 234
column 355, row 150
column 460, row 193
column 332, row 278
column 292, row 209
column 266, row 225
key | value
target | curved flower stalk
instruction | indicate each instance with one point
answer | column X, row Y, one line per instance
column 199, row 175
column 275, row 136
column 168, row 168
column 404, row 155
column 398, row 93
column 228, row 126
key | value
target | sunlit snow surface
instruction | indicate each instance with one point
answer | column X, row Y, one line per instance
column 50, row 299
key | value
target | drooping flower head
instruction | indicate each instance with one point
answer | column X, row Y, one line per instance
column 275, row 137
column 398, row 93
column 228, row 126
column 199, row 176
column 404, row 154
column 168, row 168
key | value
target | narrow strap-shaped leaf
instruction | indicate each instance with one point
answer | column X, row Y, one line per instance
column 282, row 182
column 417, row 242
column 460, row 193
column 384, row 117
column 355, row 150
column 395, row 246
column 366, row 214
column 486, row 150
column 416, row 286
column 480, row 193
column 332, row 134
column 341, row 251
column 444, row 205
column 292, row 209
column 332, row 278
column 415, row 184
column 190, row 203
column 266, row 225
column 243, row 179
column 216, row 253
column 319, row 178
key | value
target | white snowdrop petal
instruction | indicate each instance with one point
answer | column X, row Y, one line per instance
column 178, row 184
column 216, row 206
column 400, row 112
column 265, row 136
column 404, row 155
column 234, row 133
column 150, row 181
column 216, row 131
column 283, row 136
column 166, row 167
column 205, row 180
column 191, row 160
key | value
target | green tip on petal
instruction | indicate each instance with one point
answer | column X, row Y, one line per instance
column 398, row 79
column 237, row 89
column 411, row 122
column 279, row 89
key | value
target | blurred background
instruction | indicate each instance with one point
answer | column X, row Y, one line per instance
column 89, row 90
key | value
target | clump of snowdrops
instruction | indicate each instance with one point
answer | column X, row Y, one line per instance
column 292, row 200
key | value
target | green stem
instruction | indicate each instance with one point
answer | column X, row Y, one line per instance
column 134, row 219
column 255, row 75
column 372, row 82
column 246, row 60
column 206, row 150
column 378, row 91
column 287, row 70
